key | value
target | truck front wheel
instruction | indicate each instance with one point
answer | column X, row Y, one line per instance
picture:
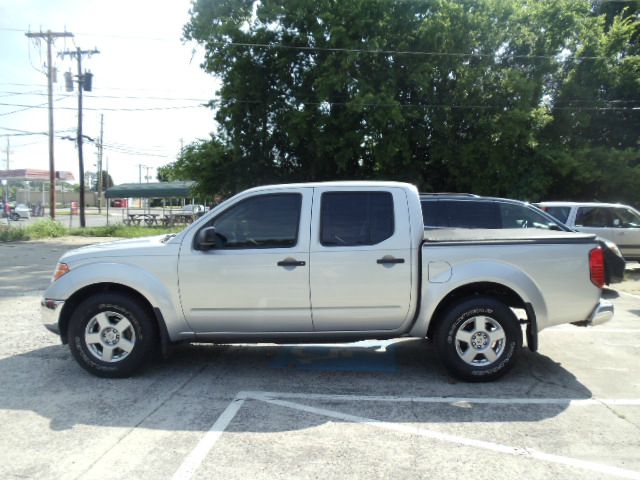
column 478, row 339
column 111, row 335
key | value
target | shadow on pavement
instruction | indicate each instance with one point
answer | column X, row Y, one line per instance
column 192, row 388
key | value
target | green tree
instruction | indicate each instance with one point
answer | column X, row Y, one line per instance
column 107, row 181
column 464, row 95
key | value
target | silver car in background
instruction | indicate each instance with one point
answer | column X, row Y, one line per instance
column 21, row 211
column 613, row 221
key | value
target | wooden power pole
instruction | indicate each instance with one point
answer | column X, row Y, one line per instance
column 50, row 36
column 81, row 78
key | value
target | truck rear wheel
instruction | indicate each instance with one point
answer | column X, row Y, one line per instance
column 478, row 339
column 111, row 335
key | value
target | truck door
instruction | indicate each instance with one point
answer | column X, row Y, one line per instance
column 361, row 259
column 257, row 278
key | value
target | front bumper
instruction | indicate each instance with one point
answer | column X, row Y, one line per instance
column 50, row 313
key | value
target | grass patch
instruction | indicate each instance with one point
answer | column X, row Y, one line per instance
column 41, row 229
column 48, row 228
column 122, row 231
column 8, row 234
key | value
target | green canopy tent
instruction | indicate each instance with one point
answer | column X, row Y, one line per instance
column 151, row 190
column 181, row 189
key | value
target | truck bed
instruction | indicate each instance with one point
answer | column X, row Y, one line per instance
column 497, row 236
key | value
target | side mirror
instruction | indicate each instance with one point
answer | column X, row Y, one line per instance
column 207, row 238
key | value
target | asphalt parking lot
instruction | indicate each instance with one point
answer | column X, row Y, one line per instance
column 363, row 410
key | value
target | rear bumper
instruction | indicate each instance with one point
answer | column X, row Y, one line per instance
column 50, row 314
column 601, row 314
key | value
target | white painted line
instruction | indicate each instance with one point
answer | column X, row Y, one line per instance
column 629, row 294
column 495, row 447
column 450, row 400
column 589, row 330
column 199, row 453
column 202, row 449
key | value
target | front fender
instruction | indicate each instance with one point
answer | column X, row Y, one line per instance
column 142, row 281
column 436, row 287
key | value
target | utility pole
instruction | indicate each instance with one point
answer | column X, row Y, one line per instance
column 81, row 78
column 50, row 36
column 8, row 151
column 100, row 181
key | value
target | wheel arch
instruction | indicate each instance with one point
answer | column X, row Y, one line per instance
column 109, row 287
column 500, row 292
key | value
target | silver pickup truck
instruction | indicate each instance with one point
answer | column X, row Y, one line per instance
column 324, row 262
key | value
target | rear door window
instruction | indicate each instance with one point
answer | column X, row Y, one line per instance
column 356, row 218
column 460, row 214
column 598, row 217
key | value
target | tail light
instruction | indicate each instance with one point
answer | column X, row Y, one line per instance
column 596, row 267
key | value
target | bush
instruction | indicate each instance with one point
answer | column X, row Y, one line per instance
column 41, row 229
column 46, row 228
column 12, row 234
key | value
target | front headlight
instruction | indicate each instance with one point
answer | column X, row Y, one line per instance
column 61, row 269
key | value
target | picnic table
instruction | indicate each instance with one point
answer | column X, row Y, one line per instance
column 137, row 218
column 177, row 219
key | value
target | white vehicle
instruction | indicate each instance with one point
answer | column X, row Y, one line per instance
column 340, row 261
column 615, row 222
column 192, row 209
column 20, row 211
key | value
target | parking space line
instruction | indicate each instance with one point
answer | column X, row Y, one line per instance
column 495, row 447
column 198, row 454
column 193, row 461
column 453, row 400
column 573, row 330
column 629, row 295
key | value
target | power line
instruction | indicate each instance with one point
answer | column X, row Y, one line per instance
column 134, row 152
column 20, row 133
column 130, row 97
column 351, row 104
column 373, row 51
column 106, row 109
column 29, row 107
column 124, row 97
column 11, row 94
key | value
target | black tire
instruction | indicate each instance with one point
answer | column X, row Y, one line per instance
column 15, row 217
column 111, row 335
column 478, row 339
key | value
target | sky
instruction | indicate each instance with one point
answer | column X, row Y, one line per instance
column 147, row 83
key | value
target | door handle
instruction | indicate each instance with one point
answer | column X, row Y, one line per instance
column 290, row 262
column 387, row 260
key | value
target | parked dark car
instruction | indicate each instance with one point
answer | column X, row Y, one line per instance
column 119, row 202
column 452, row 210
